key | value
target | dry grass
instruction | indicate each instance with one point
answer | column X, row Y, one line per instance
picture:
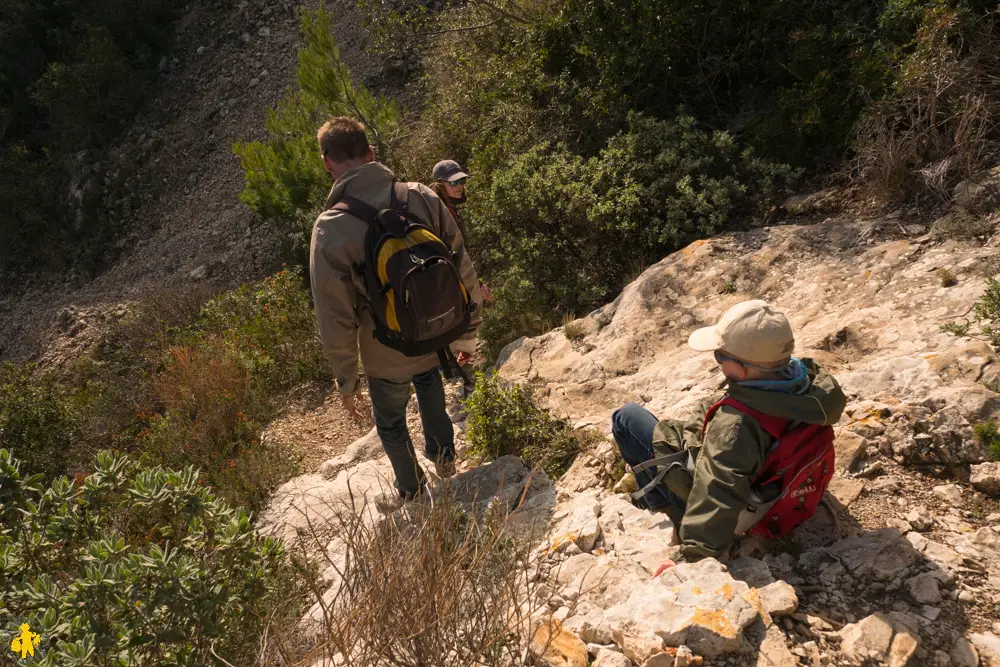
column 963, row 225
column 572, row 328
column 208, row 383
column 940, row 126
column 433, row 584
column 947, row 278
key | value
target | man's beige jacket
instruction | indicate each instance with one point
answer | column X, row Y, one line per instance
column 336, row 257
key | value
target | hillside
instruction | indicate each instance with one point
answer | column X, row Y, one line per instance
column 186, row 487
column 908, row 573
column 172, row 182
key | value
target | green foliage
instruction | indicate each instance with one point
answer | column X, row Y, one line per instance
column 37, row 422
column 987, row 311
column 573, row 330
column 285, row 180
column 503, row 420
column 785, row 70
column 553, row 223
column 988, row 437
column 935, row 125
column 728, row 287
column 956, row 328
column 99, row 71
column 134, row 565
column 188, row 387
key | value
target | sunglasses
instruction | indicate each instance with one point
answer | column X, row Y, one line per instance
column 719, row 358
column 460, row 181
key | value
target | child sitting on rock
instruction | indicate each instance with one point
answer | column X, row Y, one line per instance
column 716, row 475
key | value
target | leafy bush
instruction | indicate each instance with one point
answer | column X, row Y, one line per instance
column 134, row 565
column 222, row 378
column 988, row 437
column 987, row 311
column 37, row 422
column 565, row 230
column 504, row 420
column 956, row 328
column 285, row 180
column 184, row 385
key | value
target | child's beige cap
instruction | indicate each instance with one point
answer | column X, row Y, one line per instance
column 751, row 331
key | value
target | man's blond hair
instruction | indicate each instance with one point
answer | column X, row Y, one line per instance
column 343, row 138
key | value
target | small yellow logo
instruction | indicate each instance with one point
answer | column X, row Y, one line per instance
column 25, row 642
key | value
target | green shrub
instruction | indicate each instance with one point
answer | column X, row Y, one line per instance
column 37, row 422
column 956, row 328
column 503, row 420
column 285, row 180
column 560, row 231
column 988, row 437
column 184, row 385
column 987, row 311
column 223, row 377
column 572, row 329
column 135, row 565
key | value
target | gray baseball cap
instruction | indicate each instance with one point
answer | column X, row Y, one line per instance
column 448, row 170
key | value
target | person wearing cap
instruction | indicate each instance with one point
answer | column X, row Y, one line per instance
column 449, row 185
column 345, row 320
column 753, row 345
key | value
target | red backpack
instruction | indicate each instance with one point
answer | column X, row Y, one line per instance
column 798, row 468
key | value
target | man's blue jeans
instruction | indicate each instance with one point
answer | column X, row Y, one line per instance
column 632, row 427
column 389, row 400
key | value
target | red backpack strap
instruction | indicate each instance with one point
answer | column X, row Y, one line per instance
column 773, row 425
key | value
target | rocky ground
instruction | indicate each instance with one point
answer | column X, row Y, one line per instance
column 171, row 183
column 903, row 568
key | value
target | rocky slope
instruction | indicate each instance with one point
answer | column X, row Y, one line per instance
column 904, row 569
column 171, row 183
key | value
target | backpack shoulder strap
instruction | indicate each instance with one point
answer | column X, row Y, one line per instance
column 357, row 208
column 399, row 197
column 773, row 425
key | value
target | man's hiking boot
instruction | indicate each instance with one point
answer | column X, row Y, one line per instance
column 445, row 469
column 390, row 501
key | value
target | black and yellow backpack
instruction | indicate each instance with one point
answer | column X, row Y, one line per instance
column 419, row 303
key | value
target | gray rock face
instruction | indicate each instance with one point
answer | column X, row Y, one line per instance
column 986, row 478
column 699, row 605
column 870, row 637
column 779, row 599
column 979, row 193
column 964, row 654
column 608, row 658
column 988, row 646
column 950, row 493
column 904, row 647
column 920, row 519
column 924, row 589
column 880, row 555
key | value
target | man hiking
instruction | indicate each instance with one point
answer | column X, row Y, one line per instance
column 381, row 285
